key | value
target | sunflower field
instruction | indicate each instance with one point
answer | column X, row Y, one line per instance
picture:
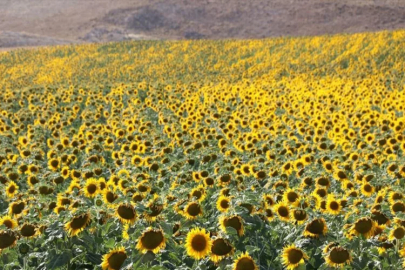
column 284, row 153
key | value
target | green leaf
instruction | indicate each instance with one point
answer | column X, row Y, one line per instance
column 59, row 260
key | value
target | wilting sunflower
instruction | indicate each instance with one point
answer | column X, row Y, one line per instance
column 364, row 226
column 338, row 257
column 9, row 222
column 234, row 222
column 91, row 188
column 223, row 203
column 315, row 228
column 192, row 210
column 198, row 243
column 244, row 262
column 292, row 257
column 7, row 239
column 151, row 240
column 77, row 224
column 220, row 249
column 11, row 189
column 126, row 213
column 114, row 259
column 282, row 210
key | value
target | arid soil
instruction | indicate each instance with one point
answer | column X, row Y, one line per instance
column 46, row 22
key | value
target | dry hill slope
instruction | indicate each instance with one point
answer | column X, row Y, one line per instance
column 44, row 22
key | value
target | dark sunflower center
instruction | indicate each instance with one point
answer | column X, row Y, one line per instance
column 79, row 222
column 295, row 256
column 194, row 209
column 126, row 212
column 54, row 163
column 209, row 181
column 300, row 214
column 339, row 255
column 226, row 178
column 367, row 188
column 220, row 247
column 6, row 240
column 156, row 210
column 91, row 188
column 399, row 233
column 363, row 226
column 379, row 217
column 398, row 207
column 137, row 198
column 116, row 260
column 283, row 211
column 11, row 189
column 199, row 243
column 261, row 174
column 234, row 223
column 28, row 230
column 151, row 240
column 197, row 194
column 334, row 205
column 8, row 223
column 111, row 197
column 341, row 175
column 292, row 196
column 245, row 264
column 142, row 188
column 323, row 182
column 269, row 213
column 224, row 204
column 397, row 196
column 315, row 227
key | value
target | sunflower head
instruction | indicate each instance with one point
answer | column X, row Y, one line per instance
column 232, row 221
column 244, row 262
column 338, row 256
column 151, row 240
column 192, row 210
column 8, row 238
column 9, row 222
column 292, row 257
column 283, row 211
column 220, row 249
column 77, row 224
column 114, row 259
column 364, row 226
column 315, row 228
column 198, row 243
column 223, row 203
column 91, row 188
column 126, row 213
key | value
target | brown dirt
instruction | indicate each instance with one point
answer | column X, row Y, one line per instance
column 47, row 22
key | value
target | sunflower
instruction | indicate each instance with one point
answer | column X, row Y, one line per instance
column 114, row 259
column 91, row 188
column 151, row 240
column 244, row 262
column 198, row 193
column 232, row 221
column 333, row 205
column 367, row 189
column 291, row 197
column 192, row 210
column 109, row 196
column 53, row 164
column 299, row 216
column 338, row 257
column 29, row 230
column 126, row 213
column 11, row 189
column 315, row 228
column 282, row 210
column 77, row 224
column 220, row 249
column 397, row 207
column 198, row 243
column 364, row 226
column 268, row 200
column 7, row 239
column 292, row 257
column 9, row 222
column 397, row 233
column 223, row 203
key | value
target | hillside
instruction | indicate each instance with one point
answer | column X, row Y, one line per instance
column 44, row 22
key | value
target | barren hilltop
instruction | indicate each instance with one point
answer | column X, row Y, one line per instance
column 47, row 22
